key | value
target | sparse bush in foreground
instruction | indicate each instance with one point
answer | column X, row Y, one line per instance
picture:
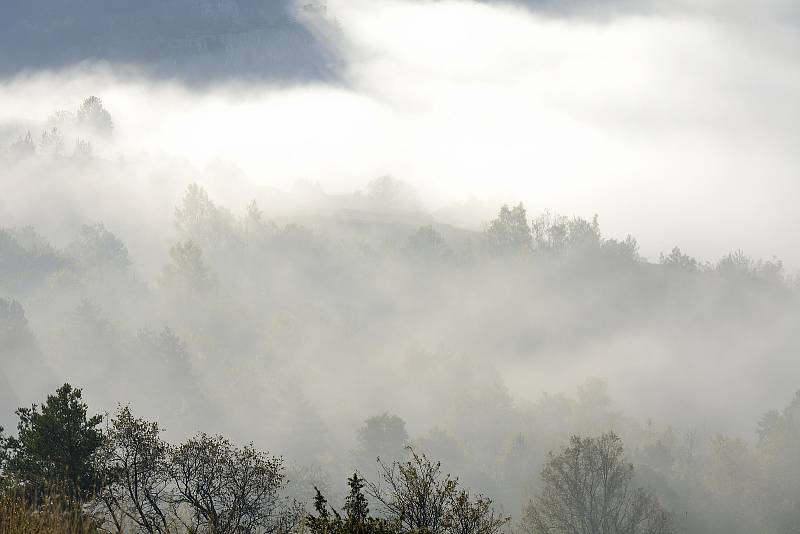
column 50, row 516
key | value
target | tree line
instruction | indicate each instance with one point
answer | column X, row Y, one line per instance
column 121, row 476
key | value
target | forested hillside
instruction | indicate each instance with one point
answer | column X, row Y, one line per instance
column 399, row 267
column 483, row 349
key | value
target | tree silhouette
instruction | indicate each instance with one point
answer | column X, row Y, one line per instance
column 420, row 498
column 136, row 486
column 228, row 489
column 383, row 436
column 56, row 446
column 356, row 519
column 510, row 232
column 93, row 115
column 588, row 490
column 187, row 270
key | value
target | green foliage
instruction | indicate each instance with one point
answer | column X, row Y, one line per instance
column 130, row 480
column 588, row 489
column 737, row 266
column 200, row 221
column 22, row 367
column 135, row 475
column 289, row 293
column 4, row 482
column 418, row 497
column 581, row 241
column 427, row 243
column 229, row 489
column 195, row 212
column 97, row 249
column 356, row 519
column 779, row 452
column 26, row 258
column 257, row 230
column 678, row 260
column 356, row 507
column 187, row 271
column 509, row 232
column 474, row 515
column 15, row 335
column 56, row 445
column 557, row 234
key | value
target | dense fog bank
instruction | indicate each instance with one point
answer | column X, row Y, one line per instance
column 493, row 346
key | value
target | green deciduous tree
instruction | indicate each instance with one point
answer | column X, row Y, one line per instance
column 678, row 260
column 510, row 232
column 199, row 220
column 136, row 485
column 556, row 234
column 588, row 490
column 420, row 498
column 228, row 489
column 779, row 450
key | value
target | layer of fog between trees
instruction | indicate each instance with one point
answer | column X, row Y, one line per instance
column 486, row 349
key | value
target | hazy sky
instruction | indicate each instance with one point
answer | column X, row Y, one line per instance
column 675, row 121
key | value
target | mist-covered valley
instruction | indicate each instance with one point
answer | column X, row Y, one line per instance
column 530, row 256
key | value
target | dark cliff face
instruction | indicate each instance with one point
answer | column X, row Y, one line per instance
column 192, row 40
